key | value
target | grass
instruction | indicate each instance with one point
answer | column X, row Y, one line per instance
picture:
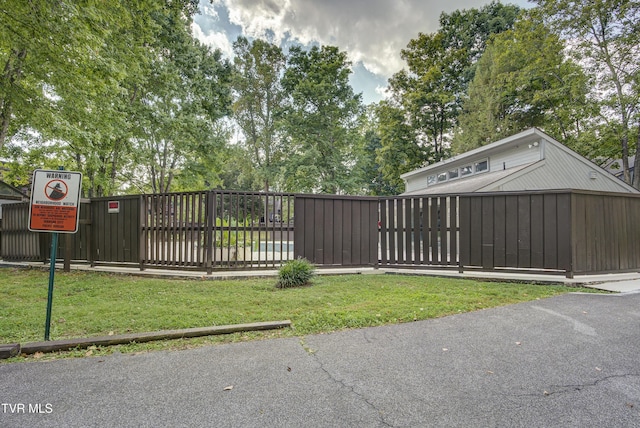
column 95, row 304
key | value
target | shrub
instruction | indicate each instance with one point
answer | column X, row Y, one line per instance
column 295, row 273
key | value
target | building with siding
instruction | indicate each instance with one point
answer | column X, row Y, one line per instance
column 530, row 160
column 10, row 195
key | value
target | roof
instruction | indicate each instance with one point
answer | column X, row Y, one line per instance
column 12, row 192
column 485, row 181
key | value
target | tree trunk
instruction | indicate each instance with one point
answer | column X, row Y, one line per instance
column 11, row 73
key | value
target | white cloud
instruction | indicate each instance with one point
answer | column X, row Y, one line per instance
column 217, row 40
column 371, row 31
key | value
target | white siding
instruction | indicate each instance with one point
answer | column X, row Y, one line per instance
column 519, row 155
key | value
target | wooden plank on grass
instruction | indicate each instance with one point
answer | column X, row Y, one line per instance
column 64, row 345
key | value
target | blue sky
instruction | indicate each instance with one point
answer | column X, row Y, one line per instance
column 372, row 32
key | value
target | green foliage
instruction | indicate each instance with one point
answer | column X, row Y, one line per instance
column 524, row 80
column 439, row 68
column 399, row 150
column 295, row 273
column 259, row 103
column 231, row 236
column 321, row 123
column 604, row 37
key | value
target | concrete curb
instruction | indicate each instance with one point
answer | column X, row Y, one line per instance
column 8, row 351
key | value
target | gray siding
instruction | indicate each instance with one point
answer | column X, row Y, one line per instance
column 563, row 171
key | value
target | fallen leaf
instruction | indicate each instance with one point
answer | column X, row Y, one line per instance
column 111, row 333
column 88, row 353
column 228, row 388
column 38, row 355
column 93, row 347
column 288, row 369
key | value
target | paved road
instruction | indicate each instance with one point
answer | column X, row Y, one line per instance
column 567, row 361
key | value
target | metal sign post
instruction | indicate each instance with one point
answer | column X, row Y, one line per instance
column 54, row 207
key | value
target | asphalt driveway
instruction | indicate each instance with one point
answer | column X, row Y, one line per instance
column 567, row 361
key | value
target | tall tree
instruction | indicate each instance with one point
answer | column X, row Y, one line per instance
column 259, row 101
column 605, row 37
column 440, row 66
column 187, row 91
column 321, row 121
column 523, row 80
column 368, row 168
column 399, row 150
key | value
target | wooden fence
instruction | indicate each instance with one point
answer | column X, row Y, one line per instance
column 565, row 231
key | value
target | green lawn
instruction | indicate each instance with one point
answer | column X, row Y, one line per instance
column 94, row 304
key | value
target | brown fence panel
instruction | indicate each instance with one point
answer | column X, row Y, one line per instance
column 419, row 231
column 18, row 243
column 530, row 230
column 336, row 231
column 115, row 231
column 606, row 232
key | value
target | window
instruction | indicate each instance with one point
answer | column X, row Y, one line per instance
column 453, row 174
column 431, row 180
column 482, row 166
column 442, row 177
column 466, row 170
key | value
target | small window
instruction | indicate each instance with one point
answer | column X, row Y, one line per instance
column 482, row 166
column 466, row 170
column 442, row 177
column 431, row 180
column 453, row 174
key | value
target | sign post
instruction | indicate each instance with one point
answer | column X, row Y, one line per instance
column 55, row 208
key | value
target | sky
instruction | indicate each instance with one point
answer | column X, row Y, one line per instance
column 372, row 32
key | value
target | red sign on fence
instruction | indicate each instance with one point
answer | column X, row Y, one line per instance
column 55, row 197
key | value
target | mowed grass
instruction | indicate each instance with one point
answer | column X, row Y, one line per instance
column 95, row 304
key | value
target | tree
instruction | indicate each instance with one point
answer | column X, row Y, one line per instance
column 50, row 49
column 368, row 170
column 259, row 101
column 440, row 66
column 321, row 121
column 523, row 80
column 399, row 150
column 604, row 36
column 187, row 91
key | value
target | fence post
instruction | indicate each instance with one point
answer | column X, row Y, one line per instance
column 142, row 245
column 67, row 253
column 210, row 216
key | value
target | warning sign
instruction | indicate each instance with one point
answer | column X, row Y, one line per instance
column 55, row 197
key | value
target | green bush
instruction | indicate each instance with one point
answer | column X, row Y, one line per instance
column 295, row 273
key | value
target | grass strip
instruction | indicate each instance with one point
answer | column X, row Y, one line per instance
column 89, row 304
